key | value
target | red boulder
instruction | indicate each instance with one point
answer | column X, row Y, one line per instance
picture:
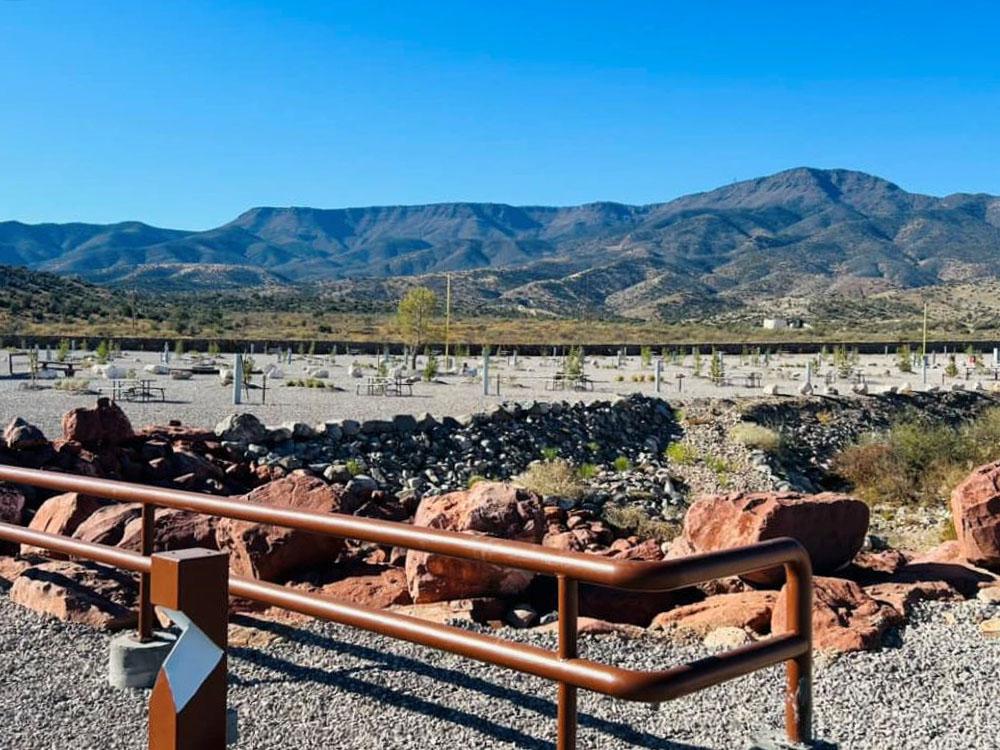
column 975, row 509
column 61, row 515
column 272, row 552
column 489, row 509
column 103, row 426
column 831, row 527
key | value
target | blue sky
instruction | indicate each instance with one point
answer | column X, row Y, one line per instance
column 184, row 114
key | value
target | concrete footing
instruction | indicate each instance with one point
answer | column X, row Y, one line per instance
column 232, row 727
column 134, row 664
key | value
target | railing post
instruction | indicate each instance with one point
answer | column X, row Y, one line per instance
column 147, row 538
column 568, row 611
column 187, row 709
column 798, row 689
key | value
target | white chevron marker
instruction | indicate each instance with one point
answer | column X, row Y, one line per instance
column 191, row 660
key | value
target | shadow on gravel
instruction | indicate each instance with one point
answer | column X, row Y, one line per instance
column 348, row 680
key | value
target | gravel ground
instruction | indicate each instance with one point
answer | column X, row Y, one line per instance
column 203, row 402
column 326, row 686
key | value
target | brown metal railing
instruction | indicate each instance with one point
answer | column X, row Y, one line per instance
column 563, row 666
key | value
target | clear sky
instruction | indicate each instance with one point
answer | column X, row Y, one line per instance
column 184, row 114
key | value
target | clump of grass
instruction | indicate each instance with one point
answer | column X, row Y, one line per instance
column 550, row 454
column 73, row 385
column 633, row 519
column 680, row 453
column 474, row 480
column 354, row 467
column 622, row 464
column 552, row 477
column 756, row 437
column 587, row 471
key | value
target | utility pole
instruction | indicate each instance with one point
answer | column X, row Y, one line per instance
column 447, row 320
column 924, row 352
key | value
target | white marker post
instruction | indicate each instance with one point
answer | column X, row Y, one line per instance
column 237, row 379
column 486, row 371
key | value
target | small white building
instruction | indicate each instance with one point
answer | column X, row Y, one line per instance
column 775, row 324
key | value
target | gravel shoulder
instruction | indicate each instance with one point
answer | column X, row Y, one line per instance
column 326, row 686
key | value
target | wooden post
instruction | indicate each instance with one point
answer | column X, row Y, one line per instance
column 187, row 709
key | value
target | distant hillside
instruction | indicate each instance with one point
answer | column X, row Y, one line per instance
column 798, row 233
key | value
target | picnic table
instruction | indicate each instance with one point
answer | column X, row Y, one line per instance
column 378, row 385
column 562, row 381
column 136, row 390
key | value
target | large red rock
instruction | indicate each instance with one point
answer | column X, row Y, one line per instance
column 975, row 509
column 172, row 529
column 903, row 596
column 750, row 611
column 61, row 515
column 20, row 435
column 87, row 593
column 490, row 509
column 107, row 524
column 373, row 586
column 103, row 426
column 845, row 618
column 271, row 552
column 831, row 527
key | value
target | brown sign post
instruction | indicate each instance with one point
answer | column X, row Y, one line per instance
column 187, row 710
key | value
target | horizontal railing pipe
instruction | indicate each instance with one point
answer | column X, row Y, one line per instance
column 627, row 574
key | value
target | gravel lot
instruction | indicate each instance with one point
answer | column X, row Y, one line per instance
column 327, row 686
column 203, row 401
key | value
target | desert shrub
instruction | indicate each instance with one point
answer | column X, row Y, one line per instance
column 917, row 462
column 430, row 368
column 550, row 453
column 633, row 519
column 587, row 471
column 73, row 385
column 756, row 437
column 552, row 477
column 354, row 467
column 680, row 453
column 622, row 464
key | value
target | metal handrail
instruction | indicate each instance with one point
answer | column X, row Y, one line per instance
column 563, row 667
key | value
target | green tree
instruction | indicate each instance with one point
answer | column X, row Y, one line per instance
column 179, row 347
column 62, row 353
column 646, row 354
column 413, row 317
column 103, row 352
column 951, row 369
column 904, row 359
column 715, row 369
column 696, row 360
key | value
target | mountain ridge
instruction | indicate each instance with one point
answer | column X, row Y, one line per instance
column 802, row 231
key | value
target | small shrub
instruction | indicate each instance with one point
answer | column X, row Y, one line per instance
column 824, row 417
column 756, row 437
column 633, row 519
column 552, row 477
column 622, row 464
column 550, row 454
column 680, row 453
column 354, row 467
column 587, row 471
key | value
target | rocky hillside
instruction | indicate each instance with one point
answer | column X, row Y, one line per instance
column 796, row 233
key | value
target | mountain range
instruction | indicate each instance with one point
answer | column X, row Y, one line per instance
column 799, row 233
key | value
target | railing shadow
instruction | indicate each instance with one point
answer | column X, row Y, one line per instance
column 347, row 680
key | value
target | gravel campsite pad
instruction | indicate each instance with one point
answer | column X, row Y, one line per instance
column 325, row 686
